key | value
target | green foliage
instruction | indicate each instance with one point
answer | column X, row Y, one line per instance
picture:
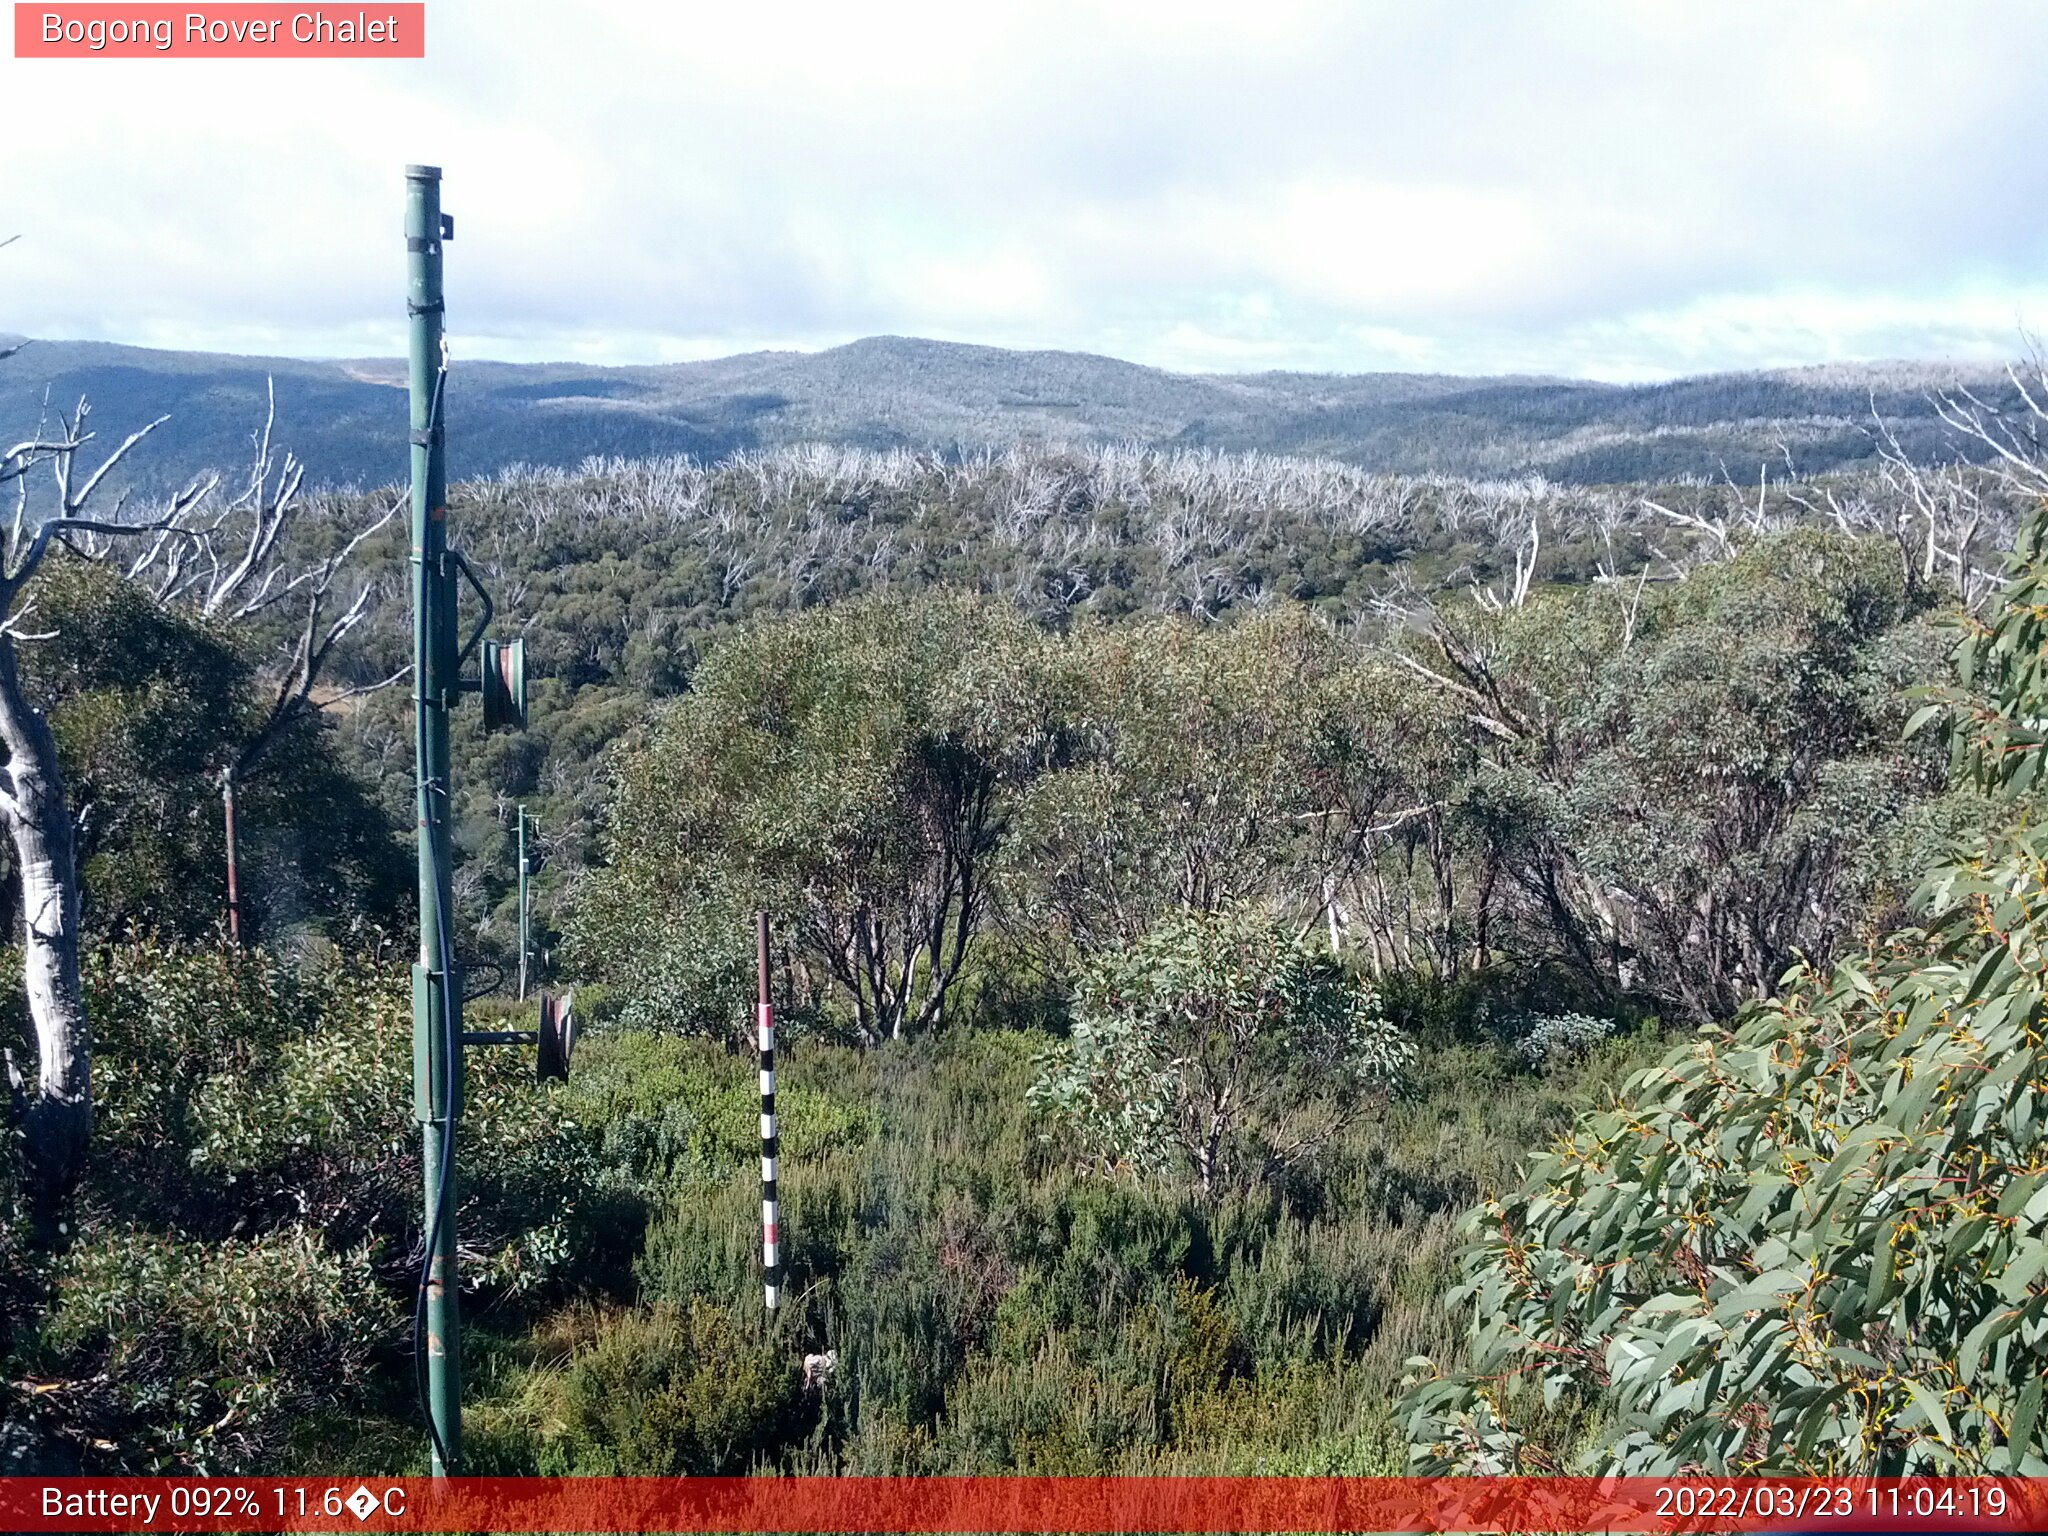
column 696, row 979
column 1996, row 735
column 623, row 575
column 1521, row 824
column 1549, row 1037
column 1818, row 1240
column 144, row 704
column 198, row 1356
column 1207, row 765
column 1676, row 793
column 989, row 1309
column 667, row 1112
column 21, row 1280
column 240, row 1249
column 1691, row 796
column 992, row 1310
column 148, row 705
column 1217, row 1043
column 676, row 1392
column 1046, row 1402
column 842, row 769
column 1809, row 1244
column 239, row 1090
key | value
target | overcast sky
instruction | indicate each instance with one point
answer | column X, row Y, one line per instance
column 1611, row 191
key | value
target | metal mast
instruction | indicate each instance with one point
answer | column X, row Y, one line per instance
column 436, row 990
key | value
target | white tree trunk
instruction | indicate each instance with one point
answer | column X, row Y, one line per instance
column 57, row 1122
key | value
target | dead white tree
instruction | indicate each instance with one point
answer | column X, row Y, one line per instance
column 55, row 1118
column 230, row 559
column 1517, row 593
column 2016, row 437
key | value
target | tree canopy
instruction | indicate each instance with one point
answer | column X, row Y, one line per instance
column 1814, row 1240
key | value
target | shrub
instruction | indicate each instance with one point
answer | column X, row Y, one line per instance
column 252, row 1202
column 1214, row 1043
column 239, row 1092
column 1079, row 1399
column 199, row 1356
column 1546, row 1037
column 1814, row 1243
column 676, row 1391
column 667, row 1111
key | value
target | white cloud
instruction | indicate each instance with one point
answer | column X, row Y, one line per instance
column 1616, row 190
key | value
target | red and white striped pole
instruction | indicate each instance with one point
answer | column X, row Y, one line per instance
column 771, row 1220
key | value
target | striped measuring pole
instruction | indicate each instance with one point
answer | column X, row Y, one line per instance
column 771, row 1215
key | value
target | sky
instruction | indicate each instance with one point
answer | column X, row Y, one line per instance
column 1613, row 191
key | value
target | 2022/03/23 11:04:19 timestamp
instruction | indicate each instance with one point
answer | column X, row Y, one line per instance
column 1857, row 1506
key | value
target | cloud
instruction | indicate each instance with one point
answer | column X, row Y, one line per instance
column 1625, row 190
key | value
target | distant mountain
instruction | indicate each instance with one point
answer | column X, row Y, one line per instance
column 347, row 418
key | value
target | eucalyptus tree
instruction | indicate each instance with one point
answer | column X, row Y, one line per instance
column 1814, row 1241
column 225, row 560
column 1190, row 779
column 1215, row 1047
column 848, row 769
column 1686, row 792
column 146, row 701
column 1407, row 869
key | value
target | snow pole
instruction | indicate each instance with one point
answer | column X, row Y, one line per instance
column 525, row 912
column 771, row 1217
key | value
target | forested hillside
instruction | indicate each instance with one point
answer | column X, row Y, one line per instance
column 620, row 578
column 1198, row 881
column 891, row 392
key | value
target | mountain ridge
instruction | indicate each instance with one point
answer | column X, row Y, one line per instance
column 888, row 392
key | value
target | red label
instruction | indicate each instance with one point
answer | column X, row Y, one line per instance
column 382, row 31
column 1068, row 1506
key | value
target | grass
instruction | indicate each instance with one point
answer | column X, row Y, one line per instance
column 992, row 1310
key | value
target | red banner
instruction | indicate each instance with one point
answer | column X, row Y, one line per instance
column 1024, row 1504
column 234, row 31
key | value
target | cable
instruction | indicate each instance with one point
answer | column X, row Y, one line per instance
column 451, row 1043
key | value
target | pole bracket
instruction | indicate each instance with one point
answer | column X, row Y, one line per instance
column 424, row 244
column 431, row 437
column 476, row 585
column 432, row 307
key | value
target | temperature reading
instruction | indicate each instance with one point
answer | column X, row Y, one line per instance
column 362, row 1501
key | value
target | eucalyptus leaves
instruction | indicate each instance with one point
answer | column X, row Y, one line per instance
column 1817, row 1241
column 1216, row 1046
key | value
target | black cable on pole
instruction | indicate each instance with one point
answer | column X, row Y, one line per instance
column 450, row 1045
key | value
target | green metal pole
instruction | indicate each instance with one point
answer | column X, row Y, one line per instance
column 436, row 992
column 525, row 922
